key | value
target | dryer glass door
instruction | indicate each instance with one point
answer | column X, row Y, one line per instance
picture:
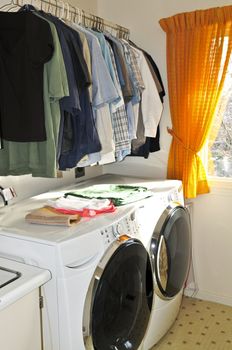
column 170, row 251
column 123, row 299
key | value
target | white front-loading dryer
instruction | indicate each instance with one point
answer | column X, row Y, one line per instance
column 101, row 290
column 164, row 228
column 162, row 224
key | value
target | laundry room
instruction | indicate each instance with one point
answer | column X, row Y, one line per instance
column 115, row 175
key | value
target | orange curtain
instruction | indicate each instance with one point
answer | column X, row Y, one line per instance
column 198, row 50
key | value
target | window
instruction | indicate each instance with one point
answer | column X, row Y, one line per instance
column 219, row 145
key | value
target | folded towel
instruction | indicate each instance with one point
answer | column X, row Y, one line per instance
column 49, row 216
column 75, row 203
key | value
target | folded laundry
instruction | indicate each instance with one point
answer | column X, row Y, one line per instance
column 85, row 207
column 75, row 203
column 49, row 216
column 118, row 194
column 87, row 212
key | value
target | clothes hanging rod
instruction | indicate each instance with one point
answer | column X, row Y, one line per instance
column 82, row 16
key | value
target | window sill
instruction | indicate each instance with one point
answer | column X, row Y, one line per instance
column 220, row 185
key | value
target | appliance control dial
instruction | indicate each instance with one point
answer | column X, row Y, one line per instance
column 118, row 230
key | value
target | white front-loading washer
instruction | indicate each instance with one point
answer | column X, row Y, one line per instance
column 101, row 289
column 164, row 228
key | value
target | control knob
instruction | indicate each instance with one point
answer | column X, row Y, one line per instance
column 118, row 230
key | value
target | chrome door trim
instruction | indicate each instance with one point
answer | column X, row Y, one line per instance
column 156, row 241
column 89, row 300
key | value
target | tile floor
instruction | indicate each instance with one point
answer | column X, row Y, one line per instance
column 200, row 325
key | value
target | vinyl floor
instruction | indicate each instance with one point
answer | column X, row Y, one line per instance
column 200, row 325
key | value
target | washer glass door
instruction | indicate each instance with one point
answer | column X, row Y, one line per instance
column 170, row 251
column 123, row 299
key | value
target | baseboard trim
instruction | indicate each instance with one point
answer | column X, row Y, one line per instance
column 205, row 295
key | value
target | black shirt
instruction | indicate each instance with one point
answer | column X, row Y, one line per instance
column 83, row 79
column 25, row 45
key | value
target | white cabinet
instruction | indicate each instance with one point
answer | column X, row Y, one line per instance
column 20, row 325
column 20, row 313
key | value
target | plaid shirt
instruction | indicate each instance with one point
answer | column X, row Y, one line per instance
column 130, row 55
column 120, row 121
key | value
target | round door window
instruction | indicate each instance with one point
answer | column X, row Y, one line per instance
column 123, row 299
column 170, row 251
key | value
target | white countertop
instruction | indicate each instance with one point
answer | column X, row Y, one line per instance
column 22, row 280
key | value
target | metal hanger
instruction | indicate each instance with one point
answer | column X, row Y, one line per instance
column 84, row 23
column 56, row 7
column 2, row 196
column 79, row 15
column 100, row 24
column 103, row 25
column 62, row 8
column 76, row 16
column 91, row 20
column 67, row 18
column 72, row 12
column 49, row 6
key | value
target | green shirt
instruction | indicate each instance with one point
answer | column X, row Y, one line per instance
column 118, row 194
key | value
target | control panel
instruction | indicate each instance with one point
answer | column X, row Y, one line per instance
column 125, row 226
column 141, row 220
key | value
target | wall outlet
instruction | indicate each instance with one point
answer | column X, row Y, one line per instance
column 79, row 172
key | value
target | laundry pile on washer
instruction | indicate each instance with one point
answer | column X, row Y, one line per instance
column 118, row 194
column 88, row 202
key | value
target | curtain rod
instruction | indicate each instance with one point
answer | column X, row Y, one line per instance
column 83, row 17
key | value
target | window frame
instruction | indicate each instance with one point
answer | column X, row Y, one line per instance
column 215, row 182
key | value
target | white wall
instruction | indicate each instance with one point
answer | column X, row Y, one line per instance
column 87, row 5
column 212, row 242
column 27, row 186
column 212, row 236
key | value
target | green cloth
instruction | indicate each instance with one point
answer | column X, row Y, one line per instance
column 39, row 158
column 118, row 194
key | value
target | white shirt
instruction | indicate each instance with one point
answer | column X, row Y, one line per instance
column 151, row 104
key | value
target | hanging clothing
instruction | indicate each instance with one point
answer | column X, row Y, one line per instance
column 151, row 144
column 151, row 105
column 39, row 158
column 100, row 95
column 85, row 136
column 25, row 45
column 103, row 95
column 120, row 122
column 125, row 79
column 155, row 71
